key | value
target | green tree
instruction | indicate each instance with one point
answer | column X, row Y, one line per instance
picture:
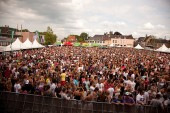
column 79, row 39
column 49, row 30
column 84, row 36
column 50, row 38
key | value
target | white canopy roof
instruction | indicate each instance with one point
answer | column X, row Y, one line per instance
column 138, row 47
column 27, row 44
column 111, row 45
column 16, row 45
column 168, row 50
column 163, row 48
column 36, row 44
column 2, row 48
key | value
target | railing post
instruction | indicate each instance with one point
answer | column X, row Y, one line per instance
column 33, row 104
column 24, row 102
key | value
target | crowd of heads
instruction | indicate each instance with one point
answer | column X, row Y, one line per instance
column 115, row 75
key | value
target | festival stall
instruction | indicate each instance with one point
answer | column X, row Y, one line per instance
column 163, row 48
column 68, row 44
column 16, row 45
column 58, row 44
column 76, row 44
column 36, row 44
column 27, row 44
column 138, row 47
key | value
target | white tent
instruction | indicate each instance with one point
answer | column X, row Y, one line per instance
column 27, row 44
column 16, row 45
column 163, row 48
column 111, row 45
column 2, row 48
column 138, row 47
column 168, row 50
column 36, row 44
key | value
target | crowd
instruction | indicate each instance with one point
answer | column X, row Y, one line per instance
column 117, row 75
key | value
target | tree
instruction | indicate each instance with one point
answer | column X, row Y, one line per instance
column 84, row 36
column 79, row 39
column 49, row 30
column 50, row 38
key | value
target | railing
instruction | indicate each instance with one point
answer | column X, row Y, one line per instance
column 25, row 103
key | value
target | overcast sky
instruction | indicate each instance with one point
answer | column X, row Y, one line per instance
column 136, row 17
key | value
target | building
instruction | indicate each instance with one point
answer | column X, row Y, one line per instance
column 6, row 35
column 71, row 38
column 152, row 42
column 116, row 39
column 26, row 35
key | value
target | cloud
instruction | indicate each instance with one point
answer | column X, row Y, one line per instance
column 149, row 26
column 91, row 16
column 159, row 26
column 110, row 24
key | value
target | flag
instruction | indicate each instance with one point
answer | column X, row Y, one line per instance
column 36, row 35
column 12, row 37
column 12, row 34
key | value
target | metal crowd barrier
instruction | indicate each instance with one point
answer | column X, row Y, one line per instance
column 25, row 103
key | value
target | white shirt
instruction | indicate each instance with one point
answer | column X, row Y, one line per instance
column 140, row 98
column 17, row 87
column 125, row 74
column 133, row 76
column 111, row 90
column 92, row 88
column 100, row 86
column 53, row 86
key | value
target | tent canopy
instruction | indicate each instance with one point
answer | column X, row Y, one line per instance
column 138, row 47
column 2, row 48
column 111, row 45
column 27, row 44
column 68, row 44
column 58, row 43
column 163, row 48
column 85, row 44
column 95, row 45
column 16, row 45
column 36, row 44
column 76, row 44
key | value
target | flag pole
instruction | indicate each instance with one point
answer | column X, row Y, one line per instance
column 12, row 36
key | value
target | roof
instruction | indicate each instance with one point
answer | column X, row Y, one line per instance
column 109, row 36
column 96, row 37
column 140, row 39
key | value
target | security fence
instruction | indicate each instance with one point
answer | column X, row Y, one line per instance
column 24, row 103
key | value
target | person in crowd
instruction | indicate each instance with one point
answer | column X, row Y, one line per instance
column 156, row 102
column 120, row 75
column 128, row 99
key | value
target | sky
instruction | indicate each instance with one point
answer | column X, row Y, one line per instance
column 65, row 17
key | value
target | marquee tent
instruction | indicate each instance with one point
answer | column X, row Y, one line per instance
column 2, row 48
column 168, row 50
column 163, row 48
column 36, row 44
column 58, row 44
column 27, row 44
column 76, row 44
column 138, row 47
column 111, row 45
column 68, row 44
column 86, row 44
column 95, row 45
column 16, row 45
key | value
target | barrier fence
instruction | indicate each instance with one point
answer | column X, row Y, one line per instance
column 25, row 103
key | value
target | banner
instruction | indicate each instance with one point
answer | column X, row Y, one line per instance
column 36, row 35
